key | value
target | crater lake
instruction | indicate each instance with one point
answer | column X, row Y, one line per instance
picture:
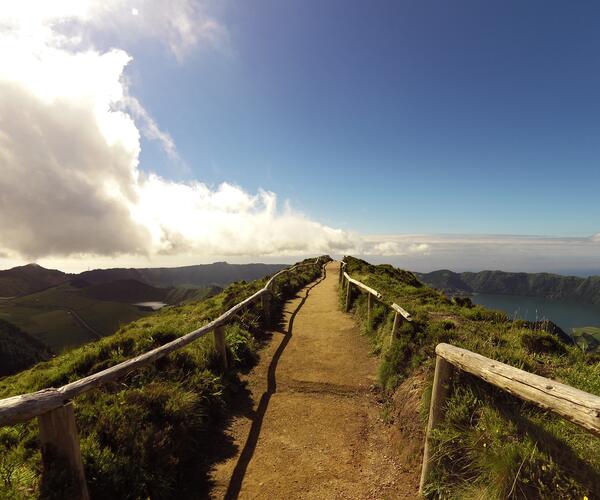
column 566, row 313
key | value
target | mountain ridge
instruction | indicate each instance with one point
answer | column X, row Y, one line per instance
column 548, row 285
column 30, row 278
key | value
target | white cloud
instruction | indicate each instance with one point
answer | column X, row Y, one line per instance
column 149, row 127
column 395, row 248
column 228, row 221
column 182, row 25
column 70, row 144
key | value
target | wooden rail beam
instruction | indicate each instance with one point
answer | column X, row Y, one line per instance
column 577, row 406
column 399, row 310
column 362, row 286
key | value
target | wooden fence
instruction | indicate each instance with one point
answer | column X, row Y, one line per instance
column 54, row 408
column 372, row 294
column 574, row 405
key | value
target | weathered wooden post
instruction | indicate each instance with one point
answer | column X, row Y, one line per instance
column 265, row 300
column 220, row 346
column 369, row 308
column 439, row 394
column 348, row 293
column 60, row 445
column 394, row 327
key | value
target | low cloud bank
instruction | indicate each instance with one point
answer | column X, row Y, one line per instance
column 566, row 255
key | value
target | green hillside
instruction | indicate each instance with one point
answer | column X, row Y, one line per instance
column 547, row 285
column 492, row 445
column 65, row 311
column 588, row 338
column 156, row 431
column 28, row 279
column 67, row 316
column 64, row 317
column 18, row 350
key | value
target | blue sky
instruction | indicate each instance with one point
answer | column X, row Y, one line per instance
column 426, row 134
column 387, row 117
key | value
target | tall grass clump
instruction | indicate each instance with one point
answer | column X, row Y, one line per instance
column 491, row 444
column 152, row 434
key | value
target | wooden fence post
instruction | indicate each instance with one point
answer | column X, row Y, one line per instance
column 348, row 292
column 439, row 394
column 369, row 309
column 59, row 440
column 265, row 300
column 394, row 327
column 220, row 347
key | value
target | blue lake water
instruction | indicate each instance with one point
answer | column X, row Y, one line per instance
column 155, row 306
column 565, row 313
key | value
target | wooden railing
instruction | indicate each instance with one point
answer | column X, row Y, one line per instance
column 54, row 409
column 372, row 294
column 577, row 406
column 574, row 405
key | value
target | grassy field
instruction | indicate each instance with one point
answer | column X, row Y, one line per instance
column 66, row 316
column 492, row 445
column 154, row 433
column 48, row 316
column 588, row 338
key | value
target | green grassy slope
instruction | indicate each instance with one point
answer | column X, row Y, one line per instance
column 53, row 316
column 154, row 433
column 588, row 338
column 28, row 279
column 492, row 445
column 18, row 350
column 67, row 316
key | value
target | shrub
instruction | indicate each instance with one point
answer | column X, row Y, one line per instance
column 542, row 343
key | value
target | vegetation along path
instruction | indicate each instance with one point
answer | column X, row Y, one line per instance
column 315, row 429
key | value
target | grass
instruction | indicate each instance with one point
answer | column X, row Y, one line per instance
column 45, row 316
column 151, row 434
column 588, row 338
column 492, row 445
column 58, row 330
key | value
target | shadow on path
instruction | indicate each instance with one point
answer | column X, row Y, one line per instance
column 235, row 483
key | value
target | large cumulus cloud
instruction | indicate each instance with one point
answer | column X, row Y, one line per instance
column 70, row 143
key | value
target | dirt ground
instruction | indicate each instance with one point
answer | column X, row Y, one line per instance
column 316, row 429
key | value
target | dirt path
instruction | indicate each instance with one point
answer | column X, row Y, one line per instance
column 316, row 429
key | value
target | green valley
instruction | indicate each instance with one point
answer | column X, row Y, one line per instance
column 62, row 311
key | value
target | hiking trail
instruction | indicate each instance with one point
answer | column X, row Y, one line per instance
column 316, row 428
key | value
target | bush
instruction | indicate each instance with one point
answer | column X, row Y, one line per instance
column 542, row 343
